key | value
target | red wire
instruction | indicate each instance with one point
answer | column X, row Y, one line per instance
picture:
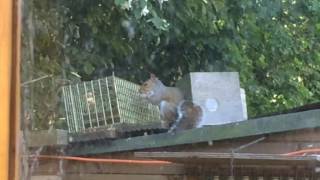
column 100, row 160
column 131, row 161
column 303, row 151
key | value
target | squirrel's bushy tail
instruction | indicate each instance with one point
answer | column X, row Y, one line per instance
column 189, row 116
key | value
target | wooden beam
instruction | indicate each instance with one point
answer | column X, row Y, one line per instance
column 51, row 167
column 9, row 82
column 192, row 167
column 115, row 176
column 15, row 102
column 46, row 177
column 254, row 127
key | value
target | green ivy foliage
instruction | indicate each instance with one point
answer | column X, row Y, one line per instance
column 273, row 44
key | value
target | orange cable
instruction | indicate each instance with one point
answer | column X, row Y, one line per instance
column 100, row 160
column 295, row 153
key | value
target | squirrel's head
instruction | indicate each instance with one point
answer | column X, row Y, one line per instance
column 147, row 88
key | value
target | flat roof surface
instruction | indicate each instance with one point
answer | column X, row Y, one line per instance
column 253, row 127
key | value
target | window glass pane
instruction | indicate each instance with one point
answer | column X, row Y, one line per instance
column 164, row 89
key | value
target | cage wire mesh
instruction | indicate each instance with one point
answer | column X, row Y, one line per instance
column 105, row 103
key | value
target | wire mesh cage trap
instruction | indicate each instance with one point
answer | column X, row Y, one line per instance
column 104, row 103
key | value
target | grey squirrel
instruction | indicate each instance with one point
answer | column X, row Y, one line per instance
column 176, row 113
